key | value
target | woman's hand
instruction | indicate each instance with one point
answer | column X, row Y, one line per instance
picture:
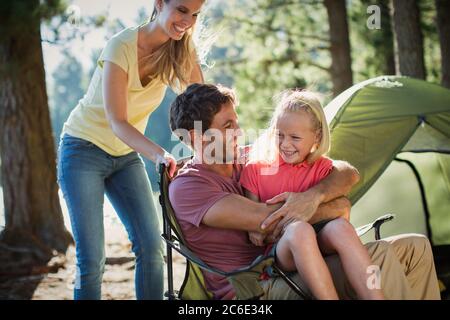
column 168, row 160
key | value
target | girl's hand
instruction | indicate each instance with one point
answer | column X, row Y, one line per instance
column 257, row 238
column 168, row 160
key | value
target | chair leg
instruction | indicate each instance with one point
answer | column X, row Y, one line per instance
column 291, row 283
column 170, row 294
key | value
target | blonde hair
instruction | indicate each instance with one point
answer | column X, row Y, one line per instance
column 265, row 148
column 174, row 61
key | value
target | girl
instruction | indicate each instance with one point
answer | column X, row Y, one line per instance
column 293, row 161
column 105, row 132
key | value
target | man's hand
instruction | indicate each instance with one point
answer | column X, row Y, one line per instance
column 257, row 238
column 298, row 207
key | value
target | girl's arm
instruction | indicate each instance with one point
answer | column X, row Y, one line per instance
column 115, row 93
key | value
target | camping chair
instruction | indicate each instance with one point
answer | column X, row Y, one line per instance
column 243, row 279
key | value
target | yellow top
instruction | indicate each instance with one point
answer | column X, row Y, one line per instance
column 88, row 120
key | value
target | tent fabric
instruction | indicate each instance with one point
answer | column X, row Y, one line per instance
column 434, row 170
column 376, row 120
column 427, row 139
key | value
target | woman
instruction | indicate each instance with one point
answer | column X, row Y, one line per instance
column 105, row 132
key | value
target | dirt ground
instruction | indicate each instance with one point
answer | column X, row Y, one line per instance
column 118, row 279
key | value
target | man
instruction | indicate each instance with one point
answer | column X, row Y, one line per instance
column 215, row 216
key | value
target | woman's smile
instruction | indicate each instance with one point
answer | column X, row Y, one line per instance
column 179, row 30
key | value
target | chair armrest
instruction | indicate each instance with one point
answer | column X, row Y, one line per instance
column 375, row 225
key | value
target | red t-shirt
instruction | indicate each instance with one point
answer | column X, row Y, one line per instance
column 267, row 181
column 192, row 193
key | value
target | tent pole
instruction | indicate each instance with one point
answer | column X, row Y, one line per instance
column 422, row 194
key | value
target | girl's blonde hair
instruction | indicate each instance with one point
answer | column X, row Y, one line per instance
column 265, row 148
column 174, row 61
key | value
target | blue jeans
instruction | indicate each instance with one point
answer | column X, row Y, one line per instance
column 85, row 174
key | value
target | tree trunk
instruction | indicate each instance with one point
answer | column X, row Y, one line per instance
column 388, row 39
column 34, row 226
column 341, row 62
column 381, row 40
column 409, row 56
column 443, row 23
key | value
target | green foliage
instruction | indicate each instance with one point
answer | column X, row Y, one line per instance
column 51, row 8
column 67, row 26
column 431, row 40
column 373, row 47
column 17, row 15
column 17, row 11
column 271, row 45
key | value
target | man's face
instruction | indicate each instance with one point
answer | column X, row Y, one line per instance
column 220, row 141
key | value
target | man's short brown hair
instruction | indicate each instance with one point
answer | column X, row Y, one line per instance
column 200, row 102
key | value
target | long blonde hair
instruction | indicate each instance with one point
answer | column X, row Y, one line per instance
column 174, row 61
column 265, row 148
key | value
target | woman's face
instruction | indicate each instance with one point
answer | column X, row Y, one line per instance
column 295, row 136
column 176, row 17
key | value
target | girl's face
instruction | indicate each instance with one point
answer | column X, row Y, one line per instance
column 295, row 136
column 176, row 17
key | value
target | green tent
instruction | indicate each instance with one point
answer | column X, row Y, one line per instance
column 393, row 118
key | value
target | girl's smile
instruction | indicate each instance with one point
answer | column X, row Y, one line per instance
column 296, row 139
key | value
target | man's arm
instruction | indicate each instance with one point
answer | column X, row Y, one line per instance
column 338, row 183
column 303, row 205
column 239, row 213
column 337, row 208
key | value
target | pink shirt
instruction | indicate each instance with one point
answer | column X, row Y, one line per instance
column 288, row 178
column 192, row 193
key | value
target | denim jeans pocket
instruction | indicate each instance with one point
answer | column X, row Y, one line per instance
column 69, row 141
